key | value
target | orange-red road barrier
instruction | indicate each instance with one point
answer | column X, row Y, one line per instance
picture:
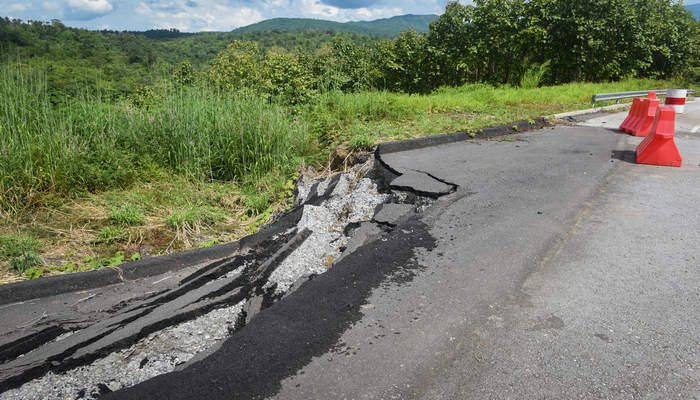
column 646, row 119
column 658, row 148
column 641, row 116
column 632, row 116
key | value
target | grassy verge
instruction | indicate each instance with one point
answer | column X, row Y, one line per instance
column 89, row 183
column 369, row 118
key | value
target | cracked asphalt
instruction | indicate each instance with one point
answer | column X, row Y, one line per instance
column 557, row 269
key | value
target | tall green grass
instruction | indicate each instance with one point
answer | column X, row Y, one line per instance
column 87, row 144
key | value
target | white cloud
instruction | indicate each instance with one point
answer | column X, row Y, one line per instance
column 51, row 5
column 204, row 15
column 18, row 7
column 91, row 6
column 83, row 10
column 317, row 9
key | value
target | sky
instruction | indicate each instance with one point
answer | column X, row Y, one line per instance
column 208, row 15
column 205, row 15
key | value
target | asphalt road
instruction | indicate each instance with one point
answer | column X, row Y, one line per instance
column 559, row 269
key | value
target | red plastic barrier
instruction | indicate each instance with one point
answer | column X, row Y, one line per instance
column 647, row 116
column 632, row 116
column 639, row 116
column 658, row 148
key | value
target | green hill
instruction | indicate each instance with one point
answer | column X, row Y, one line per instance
column 695, row 10
column 387, row 27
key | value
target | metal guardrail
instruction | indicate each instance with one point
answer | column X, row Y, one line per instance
column 627, row 95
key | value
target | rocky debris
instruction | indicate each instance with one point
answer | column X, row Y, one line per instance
column 347, row 198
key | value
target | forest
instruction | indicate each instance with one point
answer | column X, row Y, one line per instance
column 114, row 142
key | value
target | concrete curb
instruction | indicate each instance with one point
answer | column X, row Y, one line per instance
column 592, row 110
column 502, row 130
column 54, row 285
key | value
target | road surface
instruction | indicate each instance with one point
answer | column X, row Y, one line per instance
column 558, row 269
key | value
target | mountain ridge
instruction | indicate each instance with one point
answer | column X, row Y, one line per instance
column 387, row 27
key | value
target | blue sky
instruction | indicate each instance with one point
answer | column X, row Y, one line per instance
column 205, row 15
column 208, row 15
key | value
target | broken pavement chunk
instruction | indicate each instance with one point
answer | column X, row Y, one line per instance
column 390, row 213
column 422, row 183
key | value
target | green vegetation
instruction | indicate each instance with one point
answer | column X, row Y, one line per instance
column 117, row 63
column 200, row 152
column 126, row 215
column 21, row 251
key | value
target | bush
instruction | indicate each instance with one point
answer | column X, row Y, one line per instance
column 184, row 74
column 236, row 67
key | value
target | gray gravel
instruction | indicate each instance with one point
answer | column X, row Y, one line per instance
column 354, row 199
column 156, row 354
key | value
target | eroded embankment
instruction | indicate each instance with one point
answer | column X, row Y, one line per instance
column 139, row 338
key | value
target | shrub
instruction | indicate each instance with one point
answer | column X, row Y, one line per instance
column 184, row 74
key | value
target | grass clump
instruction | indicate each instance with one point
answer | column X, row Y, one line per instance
column 26, row 261
column 88, row 145
column 126, row 215
column 109, row 235
column 17, row 245
column 361, row 142
column 193, row 217
column 256, row 202
column 22, row 252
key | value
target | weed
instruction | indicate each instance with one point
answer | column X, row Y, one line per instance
column 361, row 142
column 186, row 218
column 534, row 75
column 18, row 245
column 256, row 203
column 35, row 272
column 25, row 261
column 115, row 260
column 126, row 215
column 261, row 220
column 109, row 235
column 211, row 243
